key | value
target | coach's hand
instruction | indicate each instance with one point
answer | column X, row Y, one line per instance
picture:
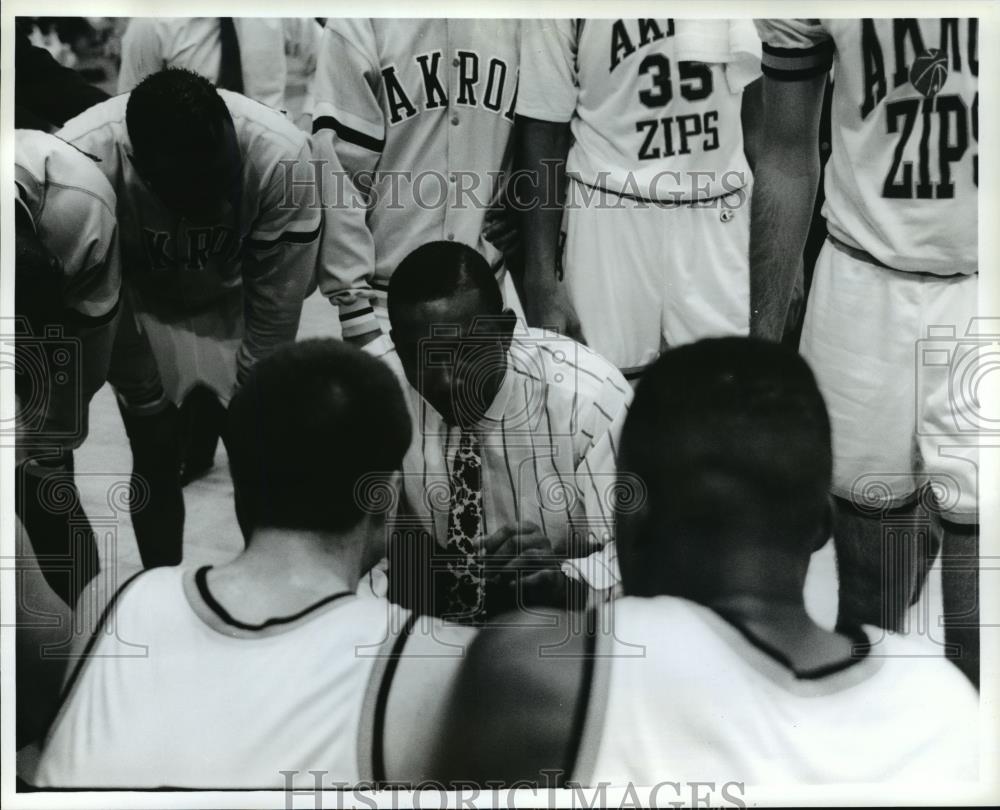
column 504, row 547
column 521, row 562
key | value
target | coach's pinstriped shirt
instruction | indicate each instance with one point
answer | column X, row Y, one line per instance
column 548, row 442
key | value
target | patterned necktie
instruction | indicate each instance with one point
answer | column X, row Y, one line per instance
column 230, row 64
column 464, row 590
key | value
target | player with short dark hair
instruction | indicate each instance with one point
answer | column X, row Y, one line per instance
column 271, row 661
column 711, row 666
column 218, row 244
column 758, row 400
column 315, row 391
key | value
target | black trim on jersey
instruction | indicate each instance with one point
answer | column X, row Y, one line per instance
column 345, row 133
column 292, row 237
column 658, row 203
column 78, row 320
column 583, row 696
column 794, row 75
column 89, row 648
column 382, row 702
column 821, row 48
column 860, row 649
column 361, row 313
column 201, row 581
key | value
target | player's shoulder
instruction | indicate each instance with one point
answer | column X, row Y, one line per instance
column 103, row 120
column 533, row 654
column 267, row 133
column 362, row 34
column 57, row 170
column 912, row 669
column 163, row 28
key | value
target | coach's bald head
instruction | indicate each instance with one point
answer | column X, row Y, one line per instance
column 450, row 328
column 184, row 143
column 732, row 441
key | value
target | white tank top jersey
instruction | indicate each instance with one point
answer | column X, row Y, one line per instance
column 702, row 701
column 646, row 121
column 174, row 692
column 903, row 175
column 71, row 206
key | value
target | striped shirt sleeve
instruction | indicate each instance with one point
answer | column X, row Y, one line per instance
column 794, row 49
column 600, row 425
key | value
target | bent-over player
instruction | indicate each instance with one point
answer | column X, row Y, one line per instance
column 68, row 278
column 217, row 255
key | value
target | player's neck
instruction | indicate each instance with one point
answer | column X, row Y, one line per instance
column 781, row 622
column 282, row 570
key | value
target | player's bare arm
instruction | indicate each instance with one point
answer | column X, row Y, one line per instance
column 541, row 149
column 751, row 117
column 420, row 691
column 786, row 179
column 510, row 689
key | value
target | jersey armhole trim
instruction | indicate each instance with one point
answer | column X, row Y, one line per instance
column 587, row 719
column 795, row 64
column 73, row 679
column 371, row 729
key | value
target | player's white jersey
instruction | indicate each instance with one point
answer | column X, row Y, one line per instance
column 902, row 179
column 72, row 208
column 151, row 44
column 680, row 693
column 431, row 98
column 175, row 692
column 267, row 235
column 646, row 120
